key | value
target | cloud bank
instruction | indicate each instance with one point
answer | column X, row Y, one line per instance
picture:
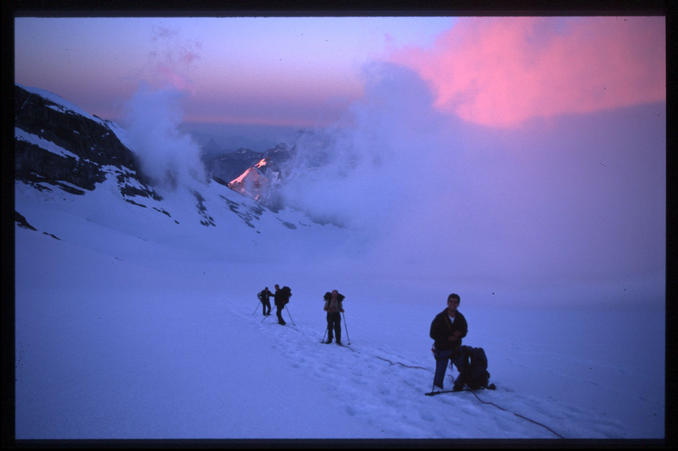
column 503, row 71
column 167, row 155
column 434, row 181
column 430, row 196
column 359, row 171
column 153, row 114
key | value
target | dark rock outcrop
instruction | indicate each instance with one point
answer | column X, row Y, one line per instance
column 55, row 146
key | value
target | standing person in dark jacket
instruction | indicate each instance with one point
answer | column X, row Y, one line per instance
column 333, row 308
column 264, row 296
column 280, row 298
column 447, row 330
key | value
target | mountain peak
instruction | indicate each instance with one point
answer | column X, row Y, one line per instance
column 252, row 183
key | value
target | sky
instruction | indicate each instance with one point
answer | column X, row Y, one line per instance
column 524, row 150
column 303, row 71
column 275, row 71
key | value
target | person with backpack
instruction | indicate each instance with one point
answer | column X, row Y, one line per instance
column 447, row 329
column 333, row 307
column 280, row 298
column 264, row 296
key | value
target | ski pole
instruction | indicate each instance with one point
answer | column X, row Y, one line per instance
column 433, row 386
column 290, row 315
column 255, row 310
column 324, row 335
column 346, row 328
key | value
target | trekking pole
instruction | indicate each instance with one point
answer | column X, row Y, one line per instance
column 435, row 356
column 255, row 310
column 324, row 335
column 290, row 315
column 346, row 328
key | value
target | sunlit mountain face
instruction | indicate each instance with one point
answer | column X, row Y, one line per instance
column 262, row 179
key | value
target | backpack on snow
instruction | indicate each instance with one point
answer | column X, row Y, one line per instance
column 474, row 368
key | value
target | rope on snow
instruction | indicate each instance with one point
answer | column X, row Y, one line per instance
column 401, row 364
column 517, row 414
column 472, row 391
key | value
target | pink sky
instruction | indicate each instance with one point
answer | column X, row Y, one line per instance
column 258, row 70
column 497, row 71
column 503, row 71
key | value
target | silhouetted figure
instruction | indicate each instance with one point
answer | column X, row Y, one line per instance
column 447, row 330
column 333, row 307
column 264, row 296
column 281, row 297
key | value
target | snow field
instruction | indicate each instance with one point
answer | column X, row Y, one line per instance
column 124, row 333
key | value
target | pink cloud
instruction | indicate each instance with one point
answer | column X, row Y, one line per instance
column 172, row 60
column 167, row 75
column 502, row 71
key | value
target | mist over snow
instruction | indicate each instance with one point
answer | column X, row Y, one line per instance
column 557, row 211
column 373, row 169
column 169, row 156
column 550, row 219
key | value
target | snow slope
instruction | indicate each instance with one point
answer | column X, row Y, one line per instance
column 130, row 325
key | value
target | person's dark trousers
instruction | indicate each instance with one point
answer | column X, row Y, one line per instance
column 278, row 312
column 266, row 307
column 334, row 324
column 442, row 357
